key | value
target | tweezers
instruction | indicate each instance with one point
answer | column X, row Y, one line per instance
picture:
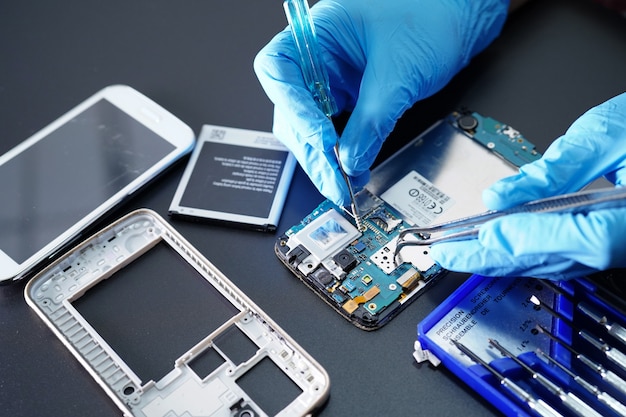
column 468, row 227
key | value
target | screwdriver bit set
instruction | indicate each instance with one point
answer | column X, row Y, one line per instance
column 534, row 347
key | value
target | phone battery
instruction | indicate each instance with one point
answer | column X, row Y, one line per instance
column 235, row 176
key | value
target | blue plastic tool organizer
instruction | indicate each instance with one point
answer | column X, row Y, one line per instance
column 486, row 308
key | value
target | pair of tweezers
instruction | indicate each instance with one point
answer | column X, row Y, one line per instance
column 468, row 227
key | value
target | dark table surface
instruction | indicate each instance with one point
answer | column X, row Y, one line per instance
column 554, row 60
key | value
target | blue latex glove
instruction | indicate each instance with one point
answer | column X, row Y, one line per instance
column 554, row 246
column 381, row 58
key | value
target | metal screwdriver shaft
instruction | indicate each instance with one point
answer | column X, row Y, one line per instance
column 614, row 355
column 539, row 406
column 570, row 400
column 316, row 77
column 606, row 375
column 602, row 396
column 614, row 329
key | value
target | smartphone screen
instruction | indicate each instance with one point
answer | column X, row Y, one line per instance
column 69, row 173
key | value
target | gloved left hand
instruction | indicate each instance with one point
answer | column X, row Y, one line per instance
column 381, row 57
column 554, row 246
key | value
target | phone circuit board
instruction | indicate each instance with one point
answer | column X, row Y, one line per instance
column 434, row 178
column 357, row 276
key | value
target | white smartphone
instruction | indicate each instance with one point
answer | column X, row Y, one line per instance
column 165, row 333
column 64, row 177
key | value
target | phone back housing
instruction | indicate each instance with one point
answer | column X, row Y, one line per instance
column 165, row 333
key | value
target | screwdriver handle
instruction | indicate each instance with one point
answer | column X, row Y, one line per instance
column 543, row 409
column 616, row 357
column 539, row 406
column 613, row 403
column 578, row 406
column 618, row 332
column 615, row 381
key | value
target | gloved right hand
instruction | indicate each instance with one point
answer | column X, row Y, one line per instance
column 381, row 57
column 554, row 245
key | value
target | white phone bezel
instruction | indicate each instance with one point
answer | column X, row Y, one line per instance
column 52, row 292
column 137, row 106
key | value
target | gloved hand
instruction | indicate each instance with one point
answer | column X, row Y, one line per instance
column 554, row 246
column 381, row 58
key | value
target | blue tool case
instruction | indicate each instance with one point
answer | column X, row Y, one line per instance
column 534, row 347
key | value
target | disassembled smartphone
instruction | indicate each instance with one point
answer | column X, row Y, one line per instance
column 438, row 176
column 235, row 176
column 116, row 297
column 64, row 177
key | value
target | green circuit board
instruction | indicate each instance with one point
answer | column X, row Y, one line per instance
column 354, row 270
column 360, row 279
